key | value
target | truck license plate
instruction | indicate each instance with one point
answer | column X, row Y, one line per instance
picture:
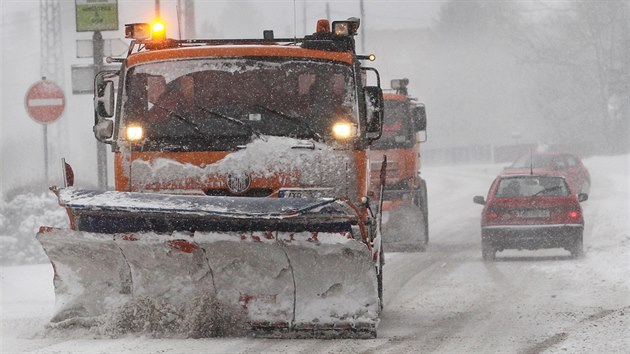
column 305, row 193
column 292, row 194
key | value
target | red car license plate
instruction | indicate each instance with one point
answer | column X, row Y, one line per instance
column 533, row 213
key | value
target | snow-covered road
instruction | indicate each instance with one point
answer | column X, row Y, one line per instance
column 445, row 300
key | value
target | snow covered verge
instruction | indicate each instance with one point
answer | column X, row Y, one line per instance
column 607, row 222
column 606, row 333
column 20, row 218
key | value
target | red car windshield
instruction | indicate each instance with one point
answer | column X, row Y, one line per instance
column 531, row 186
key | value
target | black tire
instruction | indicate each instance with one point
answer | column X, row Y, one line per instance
column 577, row 250
column 425, row 208
column 379, row 280
column 488, row 252
column 422, row 247
column 422, row 203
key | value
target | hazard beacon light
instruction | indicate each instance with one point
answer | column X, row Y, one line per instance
column 144, row 31
column 323, row 26
column 344, row 28
column 158, row 30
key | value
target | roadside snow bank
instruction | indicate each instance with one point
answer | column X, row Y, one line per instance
column 607, row 330
column 600, row 334
column 20, row 218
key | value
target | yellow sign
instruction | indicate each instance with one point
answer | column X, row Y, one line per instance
column 96, row 15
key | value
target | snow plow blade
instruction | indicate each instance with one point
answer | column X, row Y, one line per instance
column 285, row 267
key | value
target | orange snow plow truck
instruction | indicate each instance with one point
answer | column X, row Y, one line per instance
column 404, row 206
column 241, row 179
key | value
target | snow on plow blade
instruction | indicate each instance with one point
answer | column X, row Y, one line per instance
column 290, row 267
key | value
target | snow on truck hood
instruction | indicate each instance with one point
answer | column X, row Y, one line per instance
column 316, row 164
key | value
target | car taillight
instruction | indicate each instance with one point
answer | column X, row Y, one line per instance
column 574, row 214
column 490, row 215
column 568, row 216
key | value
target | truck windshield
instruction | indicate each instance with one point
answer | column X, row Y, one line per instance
column 223, row 98
column 398, row 131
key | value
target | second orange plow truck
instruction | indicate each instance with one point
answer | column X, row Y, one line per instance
column 405, row 213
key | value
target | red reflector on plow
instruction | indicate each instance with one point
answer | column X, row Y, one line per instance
column 184, row 246
column 245, row 299
column 44, row 229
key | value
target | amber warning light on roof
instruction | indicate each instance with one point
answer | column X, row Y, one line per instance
column 144, row 31
column 158, row 30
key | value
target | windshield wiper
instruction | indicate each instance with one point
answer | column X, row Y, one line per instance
column 294, row 120
column 547, row 190
column 183, row 119
column 232, row 119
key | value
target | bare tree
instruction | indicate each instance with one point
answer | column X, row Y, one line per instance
column 578, row 54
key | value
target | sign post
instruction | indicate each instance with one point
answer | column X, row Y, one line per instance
column 44, row 103
column 96, row 16
column 101, row 151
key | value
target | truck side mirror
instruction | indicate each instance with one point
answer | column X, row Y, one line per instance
column 374, row 109
column 104, row 99
column 104, row 105
column 103, row 130
column 419, row 118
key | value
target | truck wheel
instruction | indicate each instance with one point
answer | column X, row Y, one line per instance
column 424, row 207
column 424, row 197
column 379, row 280
column 424, row 229
column 488, row 252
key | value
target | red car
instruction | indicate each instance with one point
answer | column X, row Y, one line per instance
column 554, row 163
column 531, row 212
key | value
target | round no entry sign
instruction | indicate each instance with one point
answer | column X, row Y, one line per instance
column 45, row 102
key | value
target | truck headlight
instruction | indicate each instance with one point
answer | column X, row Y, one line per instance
column 343, row 130
column 134, row 133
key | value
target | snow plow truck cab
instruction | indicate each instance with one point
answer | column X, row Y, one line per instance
column 404, row 198
column 241, row 176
